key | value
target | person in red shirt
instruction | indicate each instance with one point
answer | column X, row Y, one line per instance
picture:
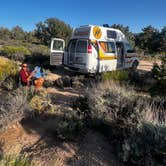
column 25, row 75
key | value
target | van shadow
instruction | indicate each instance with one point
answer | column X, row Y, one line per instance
column 64, row 71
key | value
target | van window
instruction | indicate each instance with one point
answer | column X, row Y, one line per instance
column 82, row 46
column 128, row 47
column 111, row 34
column 108, row 47
column 111, row 47
column 72, row 46
column 58, row 45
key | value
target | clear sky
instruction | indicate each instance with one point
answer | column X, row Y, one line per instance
column 134, row 13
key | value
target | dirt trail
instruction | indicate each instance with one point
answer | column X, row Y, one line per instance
column 147, row 65
column 93, row 149
column 15, row 138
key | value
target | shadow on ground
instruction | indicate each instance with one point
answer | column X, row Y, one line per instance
column 84, row 147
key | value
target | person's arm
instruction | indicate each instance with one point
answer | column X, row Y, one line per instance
column 30, row 75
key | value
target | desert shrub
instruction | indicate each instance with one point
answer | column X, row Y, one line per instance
column 8, row 73
column 64, row 124
column 38, row 49
column 68, row 125
column 99, row 103
column 159, row 73
column 48, row 83
column 41, row 103
column 12, row 106
column 118, row 75
column 82, row 81
column 15, row 161
column 64, row 81
column 38, row 53
column 11, row 82
column 133, row 124
column 15, row 52
column 141, row 81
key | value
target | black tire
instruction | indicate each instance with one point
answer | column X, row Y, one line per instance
column 134, row 65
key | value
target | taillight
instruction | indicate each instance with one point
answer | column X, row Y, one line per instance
column 89, row 49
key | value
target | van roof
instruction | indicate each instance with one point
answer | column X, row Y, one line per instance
column 95, row 32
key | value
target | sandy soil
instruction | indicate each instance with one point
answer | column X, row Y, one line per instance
column 147, row 65
column 93, row 149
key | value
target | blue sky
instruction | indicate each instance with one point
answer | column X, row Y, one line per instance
column 134, row 13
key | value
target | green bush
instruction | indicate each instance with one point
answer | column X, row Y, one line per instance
column 65, row 125
column 12, row 106
column 159, row 73
column 15, row 52
column 38, row 49
column 118, row 75
column 41, row 103
column 15, row 161
column 7, row 69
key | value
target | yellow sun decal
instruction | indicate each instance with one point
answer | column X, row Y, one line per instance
column 97, row 32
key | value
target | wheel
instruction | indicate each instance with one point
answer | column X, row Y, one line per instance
column 134, row 65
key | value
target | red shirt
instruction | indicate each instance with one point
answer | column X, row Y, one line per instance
column 24, row 74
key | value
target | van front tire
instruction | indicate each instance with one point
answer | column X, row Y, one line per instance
column 134, row 65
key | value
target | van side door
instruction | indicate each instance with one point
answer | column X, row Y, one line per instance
column 107, row 56
column 81, row 52
column 120, row 54
column 129, row 55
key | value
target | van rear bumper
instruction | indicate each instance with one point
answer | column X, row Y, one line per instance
column 77, row 69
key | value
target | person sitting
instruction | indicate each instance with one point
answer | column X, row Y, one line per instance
column 38, row 77
column 25, row 75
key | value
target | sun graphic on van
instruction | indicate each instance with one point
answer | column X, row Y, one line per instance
column 97, row 32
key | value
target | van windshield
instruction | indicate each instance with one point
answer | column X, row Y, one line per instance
column 108, row 47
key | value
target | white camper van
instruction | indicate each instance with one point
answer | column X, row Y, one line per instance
column 94, row 49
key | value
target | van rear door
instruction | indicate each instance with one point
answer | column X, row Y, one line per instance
column 57, row 51
column 81, row 55
column 77, row 52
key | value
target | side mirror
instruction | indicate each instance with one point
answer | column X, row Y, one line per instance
column 131, row 51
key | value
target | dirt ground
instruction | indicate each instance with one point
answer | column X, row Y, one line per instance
column 32, row 140
column 93, row 149
column 147, row 65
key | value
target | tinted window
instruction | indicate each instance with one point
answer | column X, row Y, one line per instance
column 58, row 45
column 82, row 46
column 72, row 45
column 111, row 47
column 108, row 47
column 111, row 34
column 128, row 47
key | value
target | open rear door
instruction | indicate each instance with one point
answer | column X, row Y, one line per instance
column 57, row 51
